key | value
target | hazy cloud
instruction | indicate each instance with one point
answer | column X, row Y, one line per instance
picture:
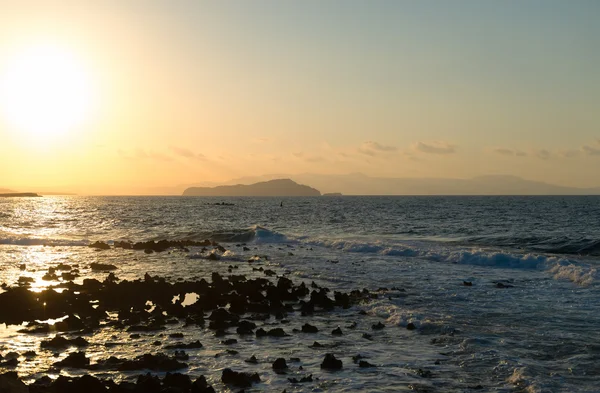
column 503, row 151
column 141, row 154
column 308, row 158
column 437, row 147
column 372, row 148
column 180, row 151
column 183, row 152
column 591, row 150
column 569, row 153
column 542, row 154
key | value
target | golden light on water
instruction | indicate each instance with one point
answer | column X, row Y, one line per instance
column 45, row 91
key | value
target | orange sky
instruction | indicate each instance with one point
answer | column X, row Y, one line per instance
column 123, row 96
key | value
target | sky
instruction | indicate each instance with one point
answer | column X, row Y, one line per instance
column 118, row 96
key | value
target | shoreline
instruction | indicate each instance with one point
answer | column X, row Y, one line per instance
column 236, row 309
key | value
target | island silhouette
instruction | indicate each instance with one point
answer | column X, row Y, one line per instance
column 276, row 188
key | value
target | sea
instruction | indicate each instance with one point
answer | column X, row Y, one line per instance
column 490, row 294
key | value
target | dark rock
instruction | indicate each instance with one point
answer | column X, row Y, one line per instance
column 279, row 364
column 252, row 360
column 277, row 332
column 246, row 327
column 378, row 326
column 102, row 267
column 410, row 326
column 365, row 364
column 337, row 331
column 200, row 385
column 55, row 343
column 148, row 383
column 213, row 257
column 74, row 360
column 356, row 358
column 308, row 328
column 229, row 341
column 158, row 362
column 193, row 345
column 331, row 363
column 177, row 381
column 99, row 245
column 301, row 380
column 467, row 283
column 10, row 383
column 243, row 380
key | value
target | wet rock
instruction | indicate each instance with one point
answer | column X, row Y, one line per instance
column 99, row 245
column 176, row 335
column 239, row 379
column 307, row 378
column 410, row 326
column 252, row 360
column 229, row 341
column 102, row 267
column 316, row 344
column 467, row 283
column 277, row 332
column 148, row 383
column 193, row 345
column 331, row 363
column 55, row 343
column 213, row 257
column 123, row 244
column 246, row 327
column 424, row 373
column 10, row 383
column 279, row 364
column 200, row 385
column 10, row 363
column 60, row 342
column 74, row 360
column 158, row 362
column 378, row 326
column 181, row 355
column 365, row 364
column 308, row 328
column 337, row 331
column 177, row 381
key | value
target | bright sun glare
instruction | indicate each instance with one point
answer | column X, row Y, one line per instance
column 45, row 91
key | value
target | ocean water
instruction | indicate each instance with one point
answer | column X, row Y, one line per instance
column 529, row 321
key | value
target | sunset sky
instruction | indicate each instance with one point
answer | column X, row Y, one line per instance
column 115, row 96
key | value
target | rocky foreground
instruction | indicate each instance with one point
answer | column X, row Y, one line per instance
column 227, row 304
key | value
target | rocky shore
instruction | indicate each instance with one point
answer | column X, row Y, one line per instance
column 239, row 310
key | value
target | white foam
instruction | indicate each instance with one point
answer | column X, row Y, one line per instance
column 561, row 268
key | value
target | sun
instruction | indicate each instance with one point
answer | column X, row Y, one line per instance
column 45, row 91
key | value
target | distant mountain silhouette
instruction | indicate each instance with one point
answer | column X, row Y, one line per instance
column 6, row 191
column 19, row 195
column 277, row 187
column 360, row 184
